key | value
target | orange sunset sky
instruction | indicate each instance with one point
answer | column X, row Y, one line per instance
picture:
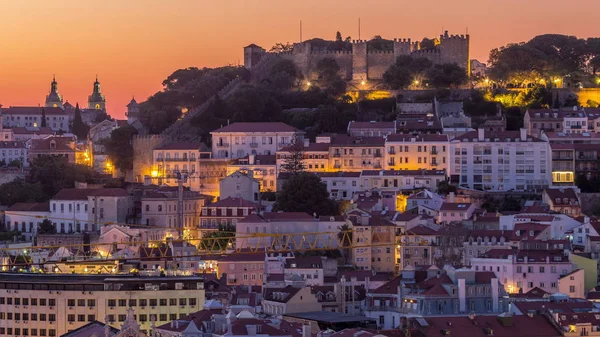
column 134, row 44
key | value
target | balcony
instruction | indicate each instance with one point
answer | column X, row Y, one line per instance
column 392, row 152
column 337, row 166
column 391, row 163
column 222, row 144
column 587, row 158
column 337, row 154
column 254, row 145
column 433, row 152
column 434, row 163
column 377, row 155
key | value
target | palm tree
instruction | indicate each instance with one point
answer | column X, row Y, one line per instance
column 345, row 237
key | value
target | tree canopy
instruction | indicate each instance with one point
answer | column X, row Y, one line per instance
column 294, row 162
column 120, row 148
column 543, row 58
column 328, row 73
column 55, row 173
column 405, row 71
column 305, row 192
column 80, row 129
column 46, row 227
column 446, row 75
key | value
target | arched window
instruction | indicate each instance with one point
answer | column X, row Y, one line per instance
column 97, row 106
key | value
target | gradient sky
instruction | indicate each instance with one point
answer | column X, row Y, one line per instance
column 134, row 44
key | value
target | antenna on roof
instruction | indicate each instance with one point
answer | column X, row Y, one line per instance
column 359, row 28
column 300, row 31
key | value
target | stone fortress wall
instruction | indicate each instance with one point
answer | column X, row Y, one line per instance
column 362, row 64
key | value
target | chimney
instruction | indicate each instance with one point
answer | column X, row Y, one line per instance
column 306, row 330
column 462, row 295
column 306, row 142
column 481, row 134
column 495, row 294
column 251, row 330
column 523, row 134
column 451, row 197
column 251, row 159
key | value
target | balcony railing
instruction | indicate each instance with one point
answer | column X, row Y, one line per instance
column 337, row 154
column 378, row 154
column 222, row 144
column 434, row 152
column 253, row 144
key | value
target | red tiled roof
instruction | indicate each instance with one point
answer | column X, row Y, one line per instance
column 259, row 159
column 278, row 217
column 370, row 125
column 30, row 131
column 30, row 207
column 557, row 195
column 421, row 230
column 233, row 202
column 33, row 110
column 84, row 193
column 461, row 326
column 238, row 328
column 566, row 307
column 484, row 277
column 455, row 206
column 345, row 141
column 390, row 287
column 402, row 172
column 417, row 138
column 62, row 144
column 593, row 295
column 288, row 290
column 533, row 293
column 258, row 127
column 197, row 317
column 244, row 257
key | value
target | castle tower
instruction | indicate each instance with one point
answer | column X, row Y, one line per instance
column 54, row 99
column 133, row 111
column 252, row 55
column 96, row 100
column 456, row 49
column 359, row 60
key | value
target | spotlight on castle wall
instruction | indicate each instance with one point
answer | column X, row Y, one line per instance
column 362, row 83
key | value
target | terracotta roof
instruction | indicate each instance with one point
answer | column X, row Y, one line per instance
column 455, row 206
column 182, row 146
column 32, row 130
column 390, row 287
column 557, row 195
column 484, row 277
column 461, row 326
column 340, row 174
column 94, row 328
column 233, row 202
column 84, row 193
column 278, row 217
column 269, row 127
column 358, row 141
column 239, row 328
column 62, row 144
column 571, row 306
column 304, row 262
column 421, row 230
column 244, row 257
column 417, row 138
column 565, row 319
column 402, row 172
column 33, row 110
column 30, row 207
column 593, row 295
column 371, row 125
column 282, row 295
column 197, row 317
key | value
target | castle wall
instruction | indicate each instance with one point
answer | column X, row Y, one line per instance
column 360, row 64
column 359, row 60
column 455, row 49
column 343, row 59
column 143, row 155
column 378, row 63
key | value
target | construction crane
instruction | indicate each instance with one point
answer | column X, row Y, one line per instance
column 205, row 248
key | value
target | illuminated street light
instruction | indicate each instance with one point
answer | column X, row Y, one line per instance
column 362, row 83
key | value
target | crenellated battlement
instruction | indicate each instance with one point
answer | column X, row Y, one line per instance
column 360, row 63
column 426, row 51
column 380, row 51
column 331, row 52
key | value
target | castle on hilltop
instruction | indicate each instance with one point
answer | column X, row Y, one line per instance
column 362, row 64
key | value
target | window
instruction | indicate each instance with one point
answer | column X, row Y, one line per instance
column 52, row 317
column 182, row 301
column 172, row 301
column 133, row 303
column 111, row 303
column 153, row 302
column 571, row 289
column 52, row 302
column 122, row 303
column 71, row 302
column 143, row 302
column 192, row 301
column 163, row 303
column 80, row 318
column 122, row 318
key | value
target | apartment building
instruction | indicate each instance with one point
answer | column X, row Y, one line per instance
column 353, row 154
column 501, row 161
column 434, row 292
column 538, row 121
column 174, row 159
column 524, row 269
column 571, row 160
column 238, row 140
column 419, row 152
column 54, row 304
column 375, row 242
column 416, row 246
column 242, row 268
column 225, row 212
column 562, row 200
column 159, row 208
column 14, row 152
column 53, row 146
column 393, row 180
column 371, row 129
column 261, row 167
column 315, row 157
column 23, row 116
